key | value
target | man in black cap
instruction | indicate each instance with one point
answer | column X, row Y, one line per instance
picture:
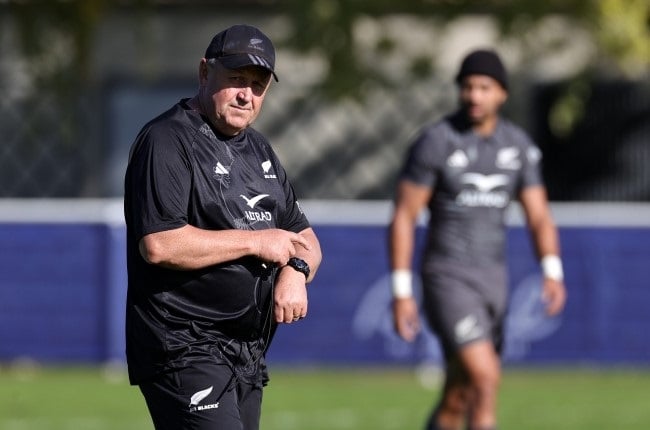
column 465, row 169
column 218, row 249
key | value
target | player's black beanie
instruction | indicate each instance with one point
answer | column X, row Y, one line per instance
column 483, row 62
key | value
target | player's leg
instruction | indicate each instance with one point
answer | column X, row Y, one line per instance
column 483, row 368
column 196, row 398
column 445, row 300
column 480, row 357
column 250, row 405
column 452, row 409
column 160, row 395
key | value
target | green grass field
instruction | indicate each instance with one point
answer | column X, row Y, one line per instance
column 357, row 398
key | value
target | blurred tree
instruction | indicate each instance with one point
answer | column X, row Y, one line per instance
column 55, row 42
column 620, row 26
column 42, row 25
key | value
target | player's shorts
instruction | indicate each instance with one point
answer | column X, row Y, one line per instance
column 204, row 397
column 464, row 304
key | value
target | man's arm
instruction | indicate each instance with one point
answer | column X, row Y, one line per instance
column 545, row 238
column 290, row 295
column 311, row 255
column 190, row 248
column 410, row 199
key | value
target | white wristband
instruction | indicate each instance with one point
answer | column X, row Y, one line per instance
column 552, row 267
column 401, row 283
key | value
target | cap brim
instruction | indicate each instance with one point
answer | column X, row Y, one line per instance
column 238, row 61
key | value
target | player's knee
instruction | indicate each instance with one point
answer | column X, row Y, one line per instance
column 486, row 383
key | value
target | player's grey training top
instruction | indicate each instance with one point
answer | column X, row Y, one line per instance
column 473, row 180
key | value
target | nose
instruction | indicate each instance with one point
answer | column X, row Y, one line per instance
column 472, row 94
column 245, row 94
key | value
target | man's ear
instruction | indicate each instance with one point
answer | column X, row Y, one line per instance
column 203, row 71
column 504, row 98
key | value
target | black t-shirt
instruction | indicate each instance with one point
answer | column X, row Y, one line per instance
column 473, row 179
column 183, row 172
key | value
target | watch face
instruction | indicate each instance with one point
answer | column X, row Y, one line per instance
column 300, row 265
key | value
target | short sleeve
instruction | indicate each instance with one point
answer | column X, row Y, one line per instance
column 531, row 170
column 158, row 182
column 423, row 159
column 293, row 219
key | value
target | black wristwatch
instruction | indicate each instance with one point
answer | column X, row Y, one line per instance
column 300, row 265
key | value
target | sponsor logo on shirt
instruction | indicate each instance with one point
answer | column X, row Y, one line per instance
column 253, row 200
column 481, row 192
column 219, row 169
column 222, row 174
column 255, row 216
column 458, row 159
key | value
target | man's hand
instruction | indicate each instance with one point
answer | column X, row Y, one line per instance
column 554, row 296
column 277, row 246
column 405, row 318
column 289, row 296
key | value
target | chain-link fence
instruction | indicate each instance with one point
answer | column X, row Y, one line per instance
column 344, row 150
column 45, row 150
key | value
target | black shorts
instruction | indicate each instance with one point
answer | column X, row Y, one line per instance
column 203, row 397
column 465, row 304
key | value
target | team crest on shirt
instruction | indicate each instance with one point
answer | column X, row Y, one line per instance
column 508, row 158
column 266, row 167
column 534, row 155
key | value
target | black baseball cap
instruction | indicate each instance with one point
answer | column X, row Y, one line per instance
column 242, row 45
column 483, row 62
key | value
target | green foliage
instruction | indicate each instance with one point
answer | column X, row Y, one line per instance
column 622, row 27
column 326, row 27
column 69, row 24
column 619, row 26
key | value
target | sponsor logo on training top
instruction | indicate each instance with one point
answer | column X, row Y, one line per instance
column 482, row 190
column 252, row 215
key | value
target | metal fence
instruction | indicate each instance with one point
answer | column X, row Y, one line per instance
column 76, row 146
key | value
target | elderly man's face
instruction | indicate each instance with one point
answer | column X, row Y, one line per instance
column 232, row 98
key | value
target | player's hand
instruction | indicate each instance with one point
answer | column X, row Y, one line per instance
column 289, row 296
column 406, row 319
column 554, row 296
column 277, row 246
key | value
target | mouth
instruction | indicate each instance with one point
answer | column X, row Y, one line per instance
column 241, row 108
column 474, row 109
